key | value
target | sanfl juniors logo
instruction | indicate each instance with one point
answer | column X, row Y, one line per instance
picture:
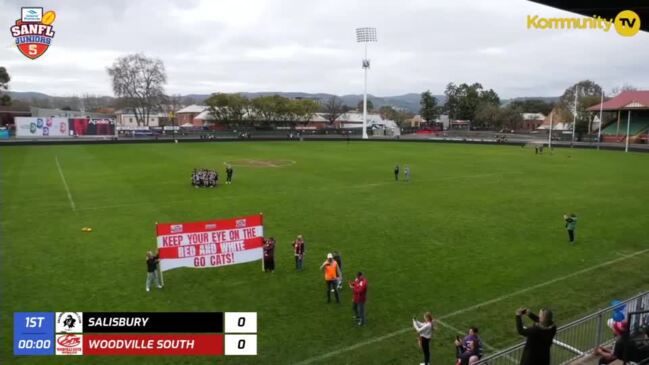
column 33, row 32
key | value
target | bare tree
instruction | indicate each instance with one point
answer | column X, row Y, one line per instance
column 139, row 82
column 171, row 104
column 333, row 108
column 620, row 89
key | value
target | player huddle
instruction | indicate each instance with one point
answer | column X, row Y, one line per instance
column 204, row 178
column 209, row 178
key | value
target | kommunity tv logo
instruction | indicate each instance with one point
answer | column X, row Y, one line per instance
column 626, row 23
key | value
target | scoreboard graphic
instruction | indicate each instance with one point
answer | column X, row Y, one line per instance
column 130, row 333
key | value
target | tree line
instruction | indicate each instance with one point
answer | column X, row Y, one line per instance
column 265, row 111
column 138, row 84
column 484, row 108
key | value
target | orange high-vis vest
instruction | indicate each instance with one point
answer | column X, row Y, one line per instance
column 331, row 271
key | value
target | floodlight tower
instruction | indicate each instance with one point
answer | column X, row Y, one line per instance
column 365, row 35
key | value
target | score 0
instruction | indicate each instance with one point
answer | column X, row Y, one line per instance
column 240, row 343
column 240, row 322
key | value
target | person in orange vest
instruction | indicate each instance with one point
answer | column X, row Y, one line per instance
column 331, row 275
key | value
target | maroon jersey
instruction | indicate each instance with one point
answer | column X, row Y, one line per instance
column 269, row 248
column 298, row 247
column 360, row 290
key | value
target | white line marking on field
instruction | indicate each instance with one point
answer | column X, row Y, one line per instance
column 468, row 309
column 65, row 184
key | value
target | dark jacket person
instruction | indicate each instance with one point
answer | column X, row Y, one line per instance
column 539, row 336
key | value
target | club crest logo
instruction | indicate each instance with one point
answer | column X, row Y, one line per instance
column 34, row 31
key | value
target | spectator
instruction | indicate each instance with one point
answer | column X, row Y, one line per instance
column 609, row 354
column 359, row 286
column 425, row 332
column 152, row 270
column 571, row 224
column 331, row 273
column 539, row 336
column 298, row 251
column 229, row 172
column 468, row 350
column 269, row 255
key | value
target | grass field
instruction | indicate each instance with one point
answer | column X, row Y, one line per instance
column 476, row 224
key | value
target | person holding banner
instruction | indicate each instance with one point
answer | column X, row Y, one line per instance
column 298, row 250
column 269, row 255
column 331, row 275
column 152, row 270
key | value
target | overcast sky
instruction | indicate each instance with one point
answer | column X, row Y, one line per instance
column 302, row 45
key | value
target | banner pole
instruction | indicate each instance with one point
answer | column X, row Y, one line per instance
column 261, row 216
column 162, row 280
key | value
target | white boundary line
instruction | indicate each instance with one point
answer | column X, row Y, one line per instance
column 467, row 309
column 65, row 184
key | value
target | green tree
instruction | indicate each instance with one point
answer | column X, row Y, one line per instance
column 584, row 117
column 533, row 106
column 510, row 117
column 264, row 109
column 370, row 105
column 303, row 110
column 429, row 110
column 231, row 109
column 463, row 101
column 488, row 116
column 585, row 88
column 4, row 86
column 452, row 100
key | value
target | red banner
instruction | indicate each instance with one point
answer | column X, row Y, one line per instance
column 210, row 243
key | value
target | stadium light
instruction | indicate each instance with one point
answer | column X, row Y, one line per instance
column 365, row 36
column 574, row 119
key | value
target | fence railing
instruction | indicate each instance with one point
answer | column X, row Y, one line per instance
column 580, row 337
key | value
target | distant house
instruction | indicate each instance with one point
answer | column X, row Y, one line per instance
column 459, row 124
column 188, row 115
column 353, row 120
column 532, row 121
column 415, row 122
column 8, row 113
column 127, row 119
column 560, row 119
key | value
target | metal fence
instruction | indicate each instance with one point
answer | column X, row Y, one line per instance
column 580, row 337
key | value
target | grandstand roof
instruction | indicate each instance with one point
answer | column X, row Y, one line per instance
column 637, row 99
